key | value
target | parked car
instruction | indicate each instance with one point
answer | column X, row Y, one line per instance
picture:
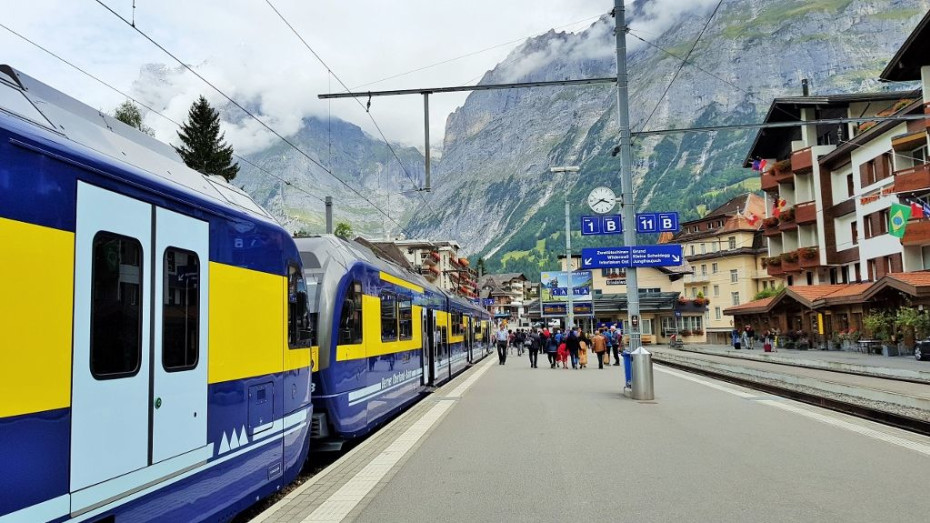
column 922, row 350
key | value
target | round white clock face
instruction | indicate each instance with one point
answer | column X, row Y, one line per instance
column 602, row 200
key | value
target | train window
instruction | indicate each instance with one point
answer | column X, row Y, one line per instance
column 180, row 333
column 350, row 321
column 116, row 307
column 388, row 316
column 300, row 327
column 405, row 313
column 457, row 323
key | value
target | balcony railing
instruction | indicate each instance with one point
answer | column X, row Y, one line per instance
column 809, row 257
column 802, row 161
column 790, row 262
column 917, row 233
column 843, row 257
column 769, row 181
column 913, row 179
column 775, row 270
column 805, row 213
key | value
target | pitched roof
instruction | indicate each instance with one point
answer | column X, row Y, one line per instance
column 752, row 307
column 913, row 53
column 736, row 212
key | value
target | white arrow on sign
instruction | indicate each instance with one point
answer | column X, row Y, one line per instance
column 676, row 259
column 588, row 261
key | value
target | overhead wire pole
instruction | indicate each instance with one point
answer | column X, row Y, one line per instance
column 626, row 172
column 455, row 89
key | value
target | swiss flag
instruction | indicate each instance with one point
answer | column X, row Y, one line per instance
column 917, row 210
column 752, row 218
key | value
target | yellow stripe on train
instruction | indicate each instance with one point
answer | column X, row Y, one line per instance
column 248, row 325
column 35, row 318
column 400, row 283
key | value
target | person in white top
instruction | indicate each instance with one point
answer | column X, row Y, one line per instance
column 502, row 337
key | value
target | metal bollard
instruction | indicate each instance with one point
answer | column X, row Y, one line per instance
column 642, row 388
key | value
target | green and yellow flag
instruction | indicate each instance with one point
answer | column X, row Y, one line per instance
column 898, row 218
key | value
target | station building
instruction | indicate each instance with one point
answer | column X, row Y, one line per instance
column 725, row 249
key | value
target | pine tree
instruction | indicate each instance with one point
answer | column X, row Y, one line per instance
column 129, row 114
column 202, row 146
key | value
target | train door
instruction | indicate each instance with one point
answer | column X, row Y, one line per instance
column 180, row 290
column 134, row 404
column 429, row 319
column 112, row 320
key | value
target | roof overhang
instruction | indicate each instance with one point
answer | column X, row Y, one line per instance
column 913, row 53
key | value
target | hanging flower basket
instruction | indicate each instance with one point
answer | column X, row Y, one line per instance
column 770, row 222
column 790, row 257
column 782, row 167
column 786, row 216
column 774, row 261
column 808, row 253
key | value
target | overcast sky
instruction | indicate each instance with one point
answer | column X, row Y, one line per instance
column 245, row 49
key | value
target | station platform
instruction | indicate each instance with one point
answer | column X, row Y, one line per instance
column 512, row 443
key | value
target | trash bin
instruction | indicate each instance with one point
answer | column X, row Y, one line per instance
column 627, row 368
column 642, row 388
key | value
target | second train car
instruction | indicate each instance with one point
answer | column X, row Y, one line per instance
column 386, row 336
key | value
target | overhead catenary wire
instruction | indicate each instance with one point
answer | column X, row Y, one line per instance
column 372, row 118
column 150, row 108
column 681, row 66
column 251, row 115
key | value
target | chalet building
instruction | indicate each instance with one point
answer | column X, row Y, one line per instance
column 725, row 249
column 836, row 189
column 438, row 261
column 508, row 293
column 807, row 234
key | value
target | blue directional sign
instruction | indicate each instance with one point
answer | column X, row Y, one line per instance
column 636, row 256
column 647, row 222
column 668, row 222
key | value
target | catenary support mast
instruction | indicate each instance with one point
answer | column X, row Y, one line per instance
column 626, row 173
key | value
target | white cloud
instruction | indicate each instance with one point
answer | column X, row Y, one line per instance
column 245, row 49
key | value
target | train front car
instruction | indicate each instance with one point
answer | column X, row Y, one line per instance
column 373, row 332
column 154, row 361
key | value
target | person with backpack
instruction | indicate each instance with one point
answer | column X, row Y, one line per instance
column 534, row 343
column 551, row 348
column 616, row 341
column 573, row 345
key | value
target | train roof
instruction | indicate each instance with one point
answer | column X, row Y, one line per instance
column 39, row 104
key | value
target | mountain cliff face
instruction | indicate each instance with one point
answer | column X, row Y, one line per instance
column 493, row 190
column 360, row 160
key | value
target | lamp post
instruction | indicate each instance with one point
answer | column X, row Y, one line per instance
column 569, row 305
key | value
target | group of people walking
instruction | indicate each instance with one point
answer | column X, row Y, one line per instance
column 560, row 347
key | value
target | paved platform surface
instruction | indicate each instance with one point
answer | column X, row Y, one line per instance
column 555, row 445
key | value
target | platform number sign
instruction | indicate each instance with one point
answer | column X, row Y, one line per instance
column 612, row 225
column 647, row 222
column 668, row 221
column 590, row 225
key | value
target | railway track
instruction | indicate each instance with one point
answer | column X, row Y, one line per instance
column 910, row 424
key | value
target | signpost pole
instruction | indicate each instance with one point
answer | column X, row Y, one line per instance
column 626, row 170
column 569, row 306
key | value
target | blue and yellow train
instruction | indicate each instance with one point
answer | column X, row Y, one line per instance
column 159, row 365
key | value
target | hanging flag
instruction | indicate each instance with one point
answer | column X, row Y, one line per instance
column 762, row 164
column 755, row 165
column 779, row 205
column 897, row 218
column 752, row 218
column 917, row 210
column 926, row 207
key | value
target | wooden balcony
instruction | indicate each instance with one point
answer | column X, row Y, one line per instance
column 917, row 233
column 802, row 161
column 769, row 181
column 785, row 176
column 771, row 231
column 805, row 213
column 912, row 180
column 775, row 270
column 843, row 257
column 809, row 257
column 909, row 141
column 788, row 225
column 791, row 266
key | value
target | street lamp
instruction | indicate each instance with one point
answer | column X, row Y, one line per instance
column 569, row 305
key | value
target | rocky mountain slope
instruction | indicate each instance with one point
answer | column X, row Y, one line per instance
column 494, row 192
